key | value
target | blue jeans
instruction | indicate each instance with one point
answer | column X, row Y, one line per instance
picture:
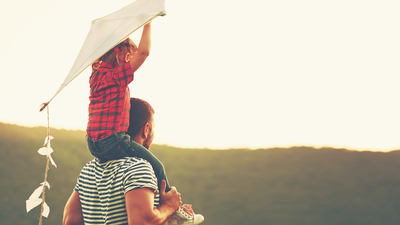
column 120, row 145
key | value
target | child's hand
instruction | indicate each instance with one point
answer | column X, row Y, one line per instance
column 96, row 65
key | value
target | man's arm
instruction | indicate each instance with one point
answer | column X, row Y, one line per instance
column 73, row 211
column 140, row 205
column 143, row 49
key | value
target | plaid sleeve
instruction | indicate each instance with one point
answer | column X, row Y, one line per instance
column 123, row 74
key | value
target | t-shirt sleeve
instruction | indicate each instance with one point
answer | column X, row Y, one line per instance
column 77, row 186
column 140, row 175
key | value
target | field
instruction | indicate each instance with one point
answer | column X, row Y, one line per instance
column 293, row 186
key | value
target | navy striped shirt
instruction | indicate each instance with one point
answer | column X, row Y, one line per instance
column 102, row 188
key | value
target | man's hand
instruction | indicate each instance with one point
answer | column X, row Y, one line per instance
column 172, row 199
column 140, row 205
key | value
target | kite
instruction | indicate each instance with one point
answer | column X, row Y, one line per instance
column 106, row 32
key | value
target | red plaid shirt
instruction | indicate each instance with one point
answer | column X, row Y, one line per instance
column 109, row 100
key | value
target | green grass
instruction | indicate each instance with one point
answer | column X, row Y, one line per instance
column 298, row 185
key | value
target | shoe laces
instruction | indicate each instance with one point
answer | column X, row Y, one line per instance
column 187, row 209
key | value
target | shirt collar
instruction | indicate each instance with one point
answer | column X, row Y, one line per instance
column 106, row 65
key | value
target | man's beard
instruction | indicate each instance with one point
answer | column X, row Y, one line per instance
column 146, row 146
column 147, row 143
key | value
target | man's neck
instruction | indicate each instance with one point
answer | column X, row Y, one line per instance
column 138, row 140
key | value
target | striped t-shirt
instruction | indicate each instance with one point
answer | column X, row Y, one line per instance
column 102, row 188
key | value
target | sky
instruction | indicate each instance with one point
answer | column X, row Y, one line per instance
column 222, row 74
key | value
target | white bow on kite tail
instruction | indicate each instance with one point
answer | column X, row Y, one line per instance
column 106, row 32
column 35, row 199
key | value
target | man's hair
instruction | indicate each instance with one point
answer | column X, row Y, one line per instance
column 140, row 114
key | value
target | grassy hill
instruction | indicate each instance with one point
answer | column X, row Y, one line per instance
column 299, row 185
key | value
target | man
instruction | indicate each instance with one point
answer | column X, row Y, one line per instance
column 123, row 191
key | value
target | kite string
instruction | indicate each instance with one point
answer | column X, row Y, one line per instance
column 47, row 168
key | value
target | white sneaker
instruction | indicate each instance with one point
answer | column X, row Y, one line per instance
column 185, row 215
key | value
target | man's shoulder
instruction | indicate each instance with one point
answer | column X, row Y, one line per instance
column 123, row 164
column 130, row 163
column 90, row 164
column 129, row 173
column 138, row 173
column 125, row 167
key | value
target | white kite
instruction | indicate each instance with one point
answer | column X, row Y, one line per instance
column 106, row 32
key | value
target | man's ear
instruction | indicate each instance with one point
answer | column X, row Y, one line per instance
column 145, row 130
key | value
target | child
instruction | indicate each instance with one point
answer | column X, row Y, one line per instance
column 109, row 112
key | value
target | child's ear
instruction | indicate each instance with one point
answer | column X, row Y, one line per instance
column 127, row 57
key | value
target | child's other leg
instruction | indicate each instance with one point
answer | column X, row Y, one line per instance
column 185, row 214
column 137, row 150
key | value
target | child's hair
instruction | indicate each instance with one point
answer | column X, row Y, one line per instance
column 115, row 55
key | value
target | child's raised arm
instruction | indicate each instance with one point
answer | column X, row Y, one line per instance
column 143, row 49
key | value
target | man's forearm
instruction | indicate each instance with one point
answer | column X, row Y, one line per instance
column 162, row 213
column 140, row 207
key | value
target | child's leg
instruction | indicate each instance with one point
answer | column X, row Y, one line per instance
column 138, row 150
column 107, row 148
